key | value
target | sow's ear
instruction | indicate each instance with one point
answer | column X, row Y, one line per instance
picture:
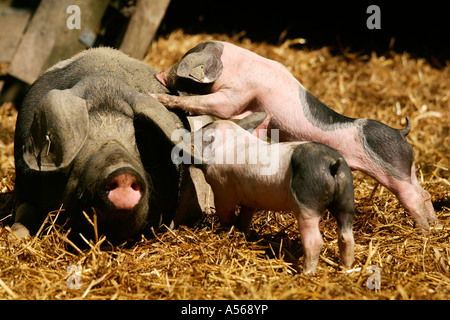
column 58, row 131
column 150, row 109
column 202, row 63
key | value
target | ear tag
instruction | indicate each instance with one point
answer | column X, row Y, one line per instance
column 47, row 138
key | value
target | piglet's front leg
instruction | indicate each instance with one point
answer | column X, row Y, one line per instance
column 216, row 104
column 244, row 218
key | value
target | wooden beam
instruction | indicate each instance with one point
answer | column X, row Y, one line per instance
column 48, row 38
column 143, row 26
column 12, row 25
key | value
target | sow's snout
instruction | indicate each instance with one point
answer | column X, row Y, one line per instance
column 112, row 183
column 121, row 201
column 124, row 189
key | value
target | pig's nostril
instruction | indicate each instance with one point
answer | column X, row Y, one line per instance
column 136, row 187
column 111, row 186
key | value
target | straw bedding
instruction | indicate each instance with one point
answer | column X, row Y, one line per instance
column 209, row 262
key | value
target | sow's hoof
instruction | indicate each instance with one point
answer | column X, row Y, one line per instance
column 18, row 232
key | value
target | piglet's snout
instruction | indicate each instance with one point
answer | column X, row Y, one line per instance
column 124, row 190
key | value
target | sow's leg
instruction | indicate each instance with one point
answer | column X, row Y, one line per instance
column 26, row 215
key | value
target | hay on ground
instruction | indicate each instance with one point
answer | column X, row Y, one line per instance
column 207, row 262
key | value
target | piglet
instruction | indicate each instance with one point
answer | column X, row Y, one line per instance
column 304, row 177
column 234, row 82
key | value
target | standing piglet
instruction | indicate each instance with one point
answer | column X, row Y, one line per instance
column 304, row 177
column 235, row 82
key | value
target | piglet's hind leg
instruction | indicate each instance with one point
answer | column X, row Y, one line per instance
column 308, row 224
column 346, row 241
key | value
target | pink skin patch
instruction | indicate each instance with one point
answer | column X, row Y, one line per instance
column 124, row 192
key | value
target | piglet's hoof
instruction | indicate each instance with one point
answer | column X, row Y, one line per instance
column 433, row 227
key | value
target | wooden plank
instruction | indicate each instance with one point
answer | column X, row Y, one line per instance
column 38, row 41
column 143, row 26
column 48, row 38
column 12, row 25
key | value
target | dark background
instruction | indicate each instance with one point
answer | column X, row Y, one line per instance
column 421, row 28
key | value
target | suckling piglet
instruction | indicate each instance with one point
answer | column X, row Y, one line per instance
column 304, row 177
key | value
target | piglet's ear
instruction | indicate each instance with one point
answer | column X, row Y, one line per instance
column 58, row 131
column 202, row 63
column 257, row 123
column 256, row 120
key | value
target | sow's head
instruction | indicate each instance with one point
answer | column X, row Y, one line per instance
column 92, row 142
